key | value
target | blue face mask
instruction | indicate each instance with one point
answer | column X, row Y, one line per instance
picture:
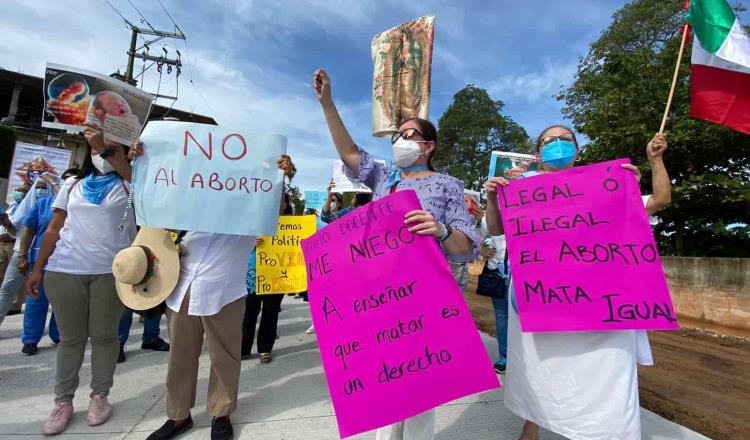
column 558, row 153
column 18, row 196
column 41, row 192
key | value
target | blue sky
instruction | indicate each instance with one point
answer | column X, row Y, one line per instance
column 251, row 62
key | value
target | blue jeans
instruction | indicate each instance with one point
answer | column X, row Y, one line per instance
column 501, row 327
column 34, row 319
column 150, row 328
column 11, row 285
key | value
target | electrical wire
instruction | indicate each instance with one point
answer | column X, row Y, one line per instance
column 170, row 17
column 118, row 13
column 142, row 17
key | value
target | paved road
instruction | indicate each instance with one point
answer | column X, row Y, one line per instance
column 285, row 400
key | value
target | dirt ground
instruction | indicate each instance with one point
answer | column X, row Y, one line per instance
column 700, row 379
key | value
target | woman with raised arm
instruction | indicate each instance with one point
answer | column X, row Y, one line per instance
column 75, row 262
column 444, row 215
column 582, row 385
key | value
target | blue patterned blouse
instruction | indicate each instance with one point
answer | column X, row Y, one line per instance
column 440, row 194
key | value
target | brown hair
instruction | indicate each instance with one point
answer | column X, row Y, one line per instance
column 429, row 132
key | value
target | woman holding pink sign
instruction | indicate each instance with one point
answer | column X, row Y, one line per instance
column 582, row 385
column 444, row 214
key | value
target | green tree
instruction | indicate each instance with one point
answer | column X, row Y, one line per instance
column 470, row 129
column 617, row 101
column 295, row 195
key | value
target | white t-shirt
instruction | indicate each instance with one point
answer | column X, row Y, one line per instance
column 90, row 237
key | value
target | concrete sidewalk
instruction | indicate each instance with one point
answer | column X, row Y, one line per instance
column 285, row 400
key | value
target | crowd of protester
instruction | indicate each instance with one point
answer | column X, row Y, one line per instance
column 61, row 235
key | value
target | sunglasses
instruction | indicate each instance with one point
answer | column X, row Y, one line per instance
column 563, row 137
column 406, row 134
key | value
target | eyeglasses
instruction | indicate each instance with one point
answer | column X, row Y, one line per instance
column 563, row 137
column 407, row 135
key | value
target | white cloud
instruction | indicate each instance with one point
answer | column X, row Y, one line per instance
column 533, row 86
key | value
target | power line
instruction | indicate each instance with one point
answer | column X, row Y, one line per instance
column 213, row 113
column 143, row 19
column 170, row 17
column 118, row 13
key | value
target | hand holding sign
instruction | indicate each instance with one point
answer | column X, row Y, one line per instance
column 389, row 331
column 209, row 179
column 582, row 253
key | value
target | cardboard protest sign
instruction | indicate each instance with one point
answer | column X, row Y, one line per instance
column 511, row 165
column 315, row 200
column 402, row 68
column 204, row 178
column 582, row 253
column 31, row 161
column 343, row 184
column 395, row 335
column 279, row 264
column 74, row 97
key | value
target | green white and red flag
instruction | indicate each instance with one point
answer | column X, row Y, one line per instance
column 720, row 84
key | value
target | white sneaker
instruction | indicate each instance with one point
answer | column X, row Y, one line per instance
column 310, row 330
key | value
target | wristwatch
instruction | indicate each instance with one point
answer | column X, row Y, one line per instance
column 447, row 231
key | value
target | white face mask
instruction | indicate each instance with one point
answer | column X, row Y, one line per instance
column 405, row 152
column 101, row 164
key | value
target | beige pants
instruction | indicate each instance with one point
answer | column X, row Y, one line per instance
column 86, row 307
column 223, row 332
column 6, row 254
column 6, row 251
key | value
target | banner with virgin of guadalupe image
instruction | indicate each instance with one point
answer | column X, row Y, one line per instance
column 402, row 65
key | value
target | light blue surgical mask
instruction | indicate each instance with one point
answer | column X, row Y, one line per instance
column 558, row 153
column 41, row 192
column 18, row 196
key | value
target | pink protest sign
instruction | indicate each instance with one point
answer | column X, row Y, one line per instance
column 582, row 252
column 396, row 337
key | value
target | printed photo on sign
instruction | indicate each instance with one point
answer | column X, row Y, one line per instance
column 388, row 332
column 582, row 252
column 279, row 263
column 511, row 165
column 74, row 97
column 31, row 161
column 206, row 178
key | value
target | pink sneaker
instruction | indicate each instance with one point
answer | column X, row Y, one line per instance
column 99, row 410
column 58, row 418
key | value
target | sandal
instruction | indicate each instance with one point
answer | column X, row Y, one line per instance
column 265, row 358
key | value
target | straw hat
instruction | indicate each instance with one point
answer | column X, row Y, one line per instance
column 147, row 271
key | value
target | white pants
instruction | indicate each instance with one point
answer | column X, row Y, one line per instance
column 420, row 427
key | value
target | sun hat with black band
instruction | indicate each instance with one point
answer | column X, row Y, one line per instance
column 147, row 272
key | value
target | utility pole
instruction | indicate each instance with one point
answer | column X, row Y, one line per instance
column 160, row 61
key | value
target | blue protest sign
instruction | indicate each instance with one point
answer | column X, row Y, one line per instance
column 198, row 177
column 315, row 200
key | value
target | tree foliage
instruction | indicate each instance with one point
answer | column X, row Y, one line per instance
column 469, row 130
column 295, row 196
column 617, row 101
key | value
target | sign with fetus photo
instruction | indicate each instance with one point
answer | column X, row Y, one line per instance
column 74, row 97
column 511, row 165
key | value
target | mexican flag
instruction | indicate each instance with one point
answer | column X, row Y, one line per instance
column 720, row 90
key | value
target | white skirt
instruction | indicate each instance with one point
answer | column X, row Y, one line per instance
column 582, row 385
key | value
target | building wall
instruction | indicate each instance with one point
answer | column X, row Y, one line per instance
column 711, row 290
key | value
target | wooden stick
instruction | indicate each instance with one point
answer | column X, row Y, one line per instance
column 674, row 80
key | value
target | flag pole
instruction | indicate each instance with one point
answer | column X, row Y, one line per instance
column 674, row 79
